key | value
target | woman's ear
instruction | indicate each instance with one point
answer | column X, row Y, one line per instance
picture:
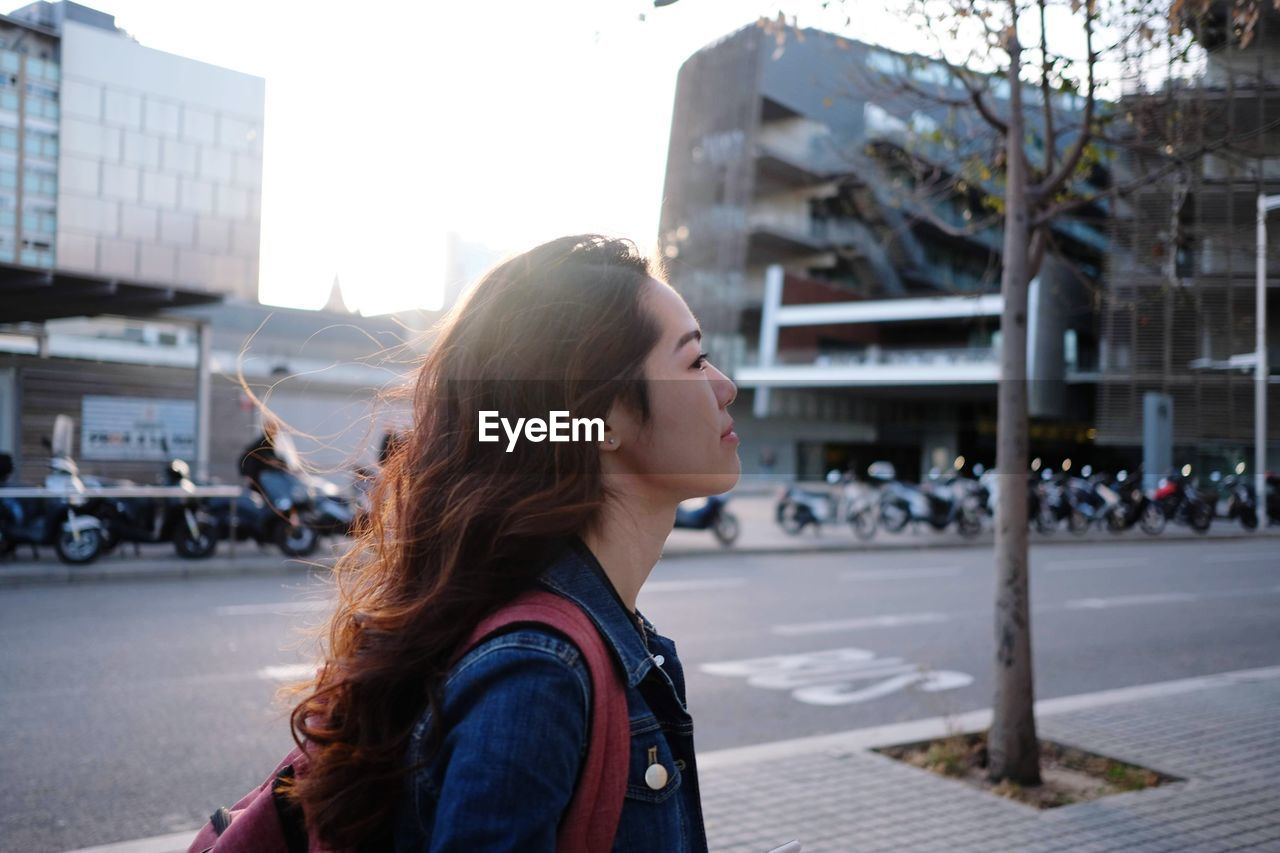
column 620, row 427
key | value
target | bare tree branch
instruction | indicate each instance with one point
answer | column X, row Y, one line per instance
column 1225, row 143
column 1046, row 65
column 1064, row 173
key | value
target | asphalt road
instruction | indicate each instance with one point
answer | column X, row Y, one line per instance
column 133, row 709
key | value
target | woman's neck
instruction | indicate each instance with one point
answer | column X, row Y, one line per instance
column 628, row 540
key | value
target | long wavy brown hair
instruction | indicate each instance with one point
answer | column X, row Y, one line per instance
column 458, row 527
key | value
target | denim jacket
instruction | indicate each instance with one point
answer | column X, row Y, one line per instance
column 516, row 728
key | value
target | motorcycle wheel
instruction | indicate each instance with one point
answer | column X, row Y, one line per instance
column 78, row 550
column 1200, row 516
column 1152, row 520
column 894, row 517
column 969, row 524
column 1248, row 518
column 1077, row 522
column 726, row 529
column 297, row 540
column 1045, row 522
column 199, row 548
column 863, row 523
column 790, row 516
column 1115, row 519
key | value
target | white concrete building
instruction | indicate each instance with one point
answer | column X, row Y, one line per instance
column 130, row 163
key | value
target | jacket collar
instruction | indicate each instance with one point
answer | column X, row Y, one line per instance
column 576, row 575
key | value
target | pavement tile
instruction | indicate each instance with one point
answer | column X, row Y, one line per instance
column 1220, row 740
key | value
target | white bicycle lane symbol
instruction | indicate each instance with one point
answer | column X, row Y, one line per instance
column 836, row 676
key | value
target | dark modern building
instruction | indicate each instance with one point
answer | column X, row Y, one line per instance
column 1178, row 317
column 860, row 320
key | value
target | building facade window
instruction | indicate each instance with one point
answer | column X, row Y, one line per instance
column 36, row 253
column 40, row 144
column 37, row 221
column 38, row 182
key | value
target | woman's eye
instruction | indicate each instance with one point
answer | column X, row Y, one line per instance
column 701, row 361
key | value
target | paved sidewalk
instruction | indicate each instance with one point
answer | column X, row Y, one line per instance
column 1218, row 734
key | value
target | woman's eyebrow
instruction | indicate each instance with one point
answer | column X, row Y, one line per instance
column 695, row 335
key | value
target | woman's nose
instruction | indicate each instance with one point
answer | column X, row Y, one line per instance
column 726, row 391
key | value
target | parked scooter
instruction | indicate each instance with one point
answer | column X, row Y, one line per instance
column 901, row 503
column 77, row 537
column 288, row 506
column 1133, row 507
column 268, row 514
column 709, row 514
column 1092, row 499
column 1056, row 505
column 1232, row 497
column 183, row 521
column 799, row 508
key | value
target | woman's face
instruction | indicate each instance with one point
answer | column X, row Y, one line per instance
column 687, row 448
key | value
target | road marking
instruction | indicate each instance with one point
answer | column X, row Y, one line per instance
column 803, row 628
column 901, row 574
column 692, row 585
column 831, row 677
column 287, row 672
column 1080, row 565
column 1129, row 601
column 278, row 608
column 857, row 740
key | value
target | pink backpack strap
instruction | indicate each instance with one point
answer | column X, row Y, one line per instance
column 591, row 821
column 255, row 824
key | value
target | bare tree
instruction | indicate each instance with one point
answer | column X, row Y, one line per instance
column 1061, row 87
column 1058, row 87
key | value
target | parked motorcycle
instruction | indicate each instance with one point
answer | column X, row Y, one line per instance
column 798, row 508
column 1180, row 502
column 185, row 522
column 288, row 506
column 1091, row 498
column 1133, row 506
column 1055, row 505
column 901, row 504
column 709, row 514
column 76, row 536
column 1232, row 497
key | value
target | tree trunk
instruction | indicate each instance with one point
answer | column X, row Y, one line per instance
column 1013, row 749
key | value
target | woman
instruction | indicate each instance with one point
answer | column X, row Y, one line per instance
column 410, row 752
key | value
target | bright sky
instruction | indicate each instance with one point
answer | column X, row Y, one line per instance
column 508, row 122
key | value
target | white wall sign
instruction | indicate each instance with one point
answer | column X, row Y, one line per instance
column 837, row 676
column 115, row 428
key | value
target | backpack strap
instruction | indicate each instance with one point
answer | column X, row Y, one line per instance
column 591, row 820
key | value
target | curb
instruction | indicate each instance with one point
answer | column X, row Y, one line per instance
column 64, row 575
column 59, row 574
